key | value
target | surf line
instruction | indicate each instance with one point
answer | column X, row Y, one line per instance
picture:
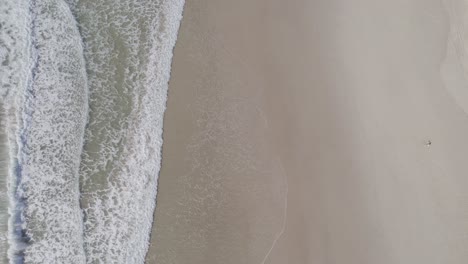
column 18, row 238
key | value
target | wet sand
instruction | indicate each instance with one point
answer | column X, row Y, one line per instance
column 315, row 132
column 222, row 190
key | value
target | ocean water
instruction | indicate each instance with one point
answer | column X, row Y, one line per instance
column 83, row 93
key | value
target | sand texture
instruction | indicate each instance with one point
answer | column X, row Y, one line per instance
column 316, row 132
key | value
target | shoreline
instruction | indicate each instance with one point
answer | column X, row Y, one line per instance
column 345, row 95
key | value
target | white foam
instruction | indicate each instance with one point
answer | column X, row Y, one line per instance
column 14, row 55
column 14, row 69
column 52, row 109
column 128, row 49
column 4, row 205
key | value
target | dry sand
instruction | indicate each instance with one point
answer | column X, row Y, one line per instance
column 299, row 133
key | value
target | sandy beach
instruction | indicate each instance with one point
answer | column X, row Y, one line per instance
column 323, row 131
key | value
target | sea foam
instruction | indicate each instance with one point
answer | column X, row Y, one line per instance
column 51, row 112
column 4, row 205
column 14, row 77
column 81, row 195
column 128, row 50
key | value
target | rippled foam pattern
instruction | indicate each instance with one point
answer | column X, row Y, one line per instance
column 51, row 137
column 3, row 190
column 84, row 87
column 128, row 49
column 14, row 77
